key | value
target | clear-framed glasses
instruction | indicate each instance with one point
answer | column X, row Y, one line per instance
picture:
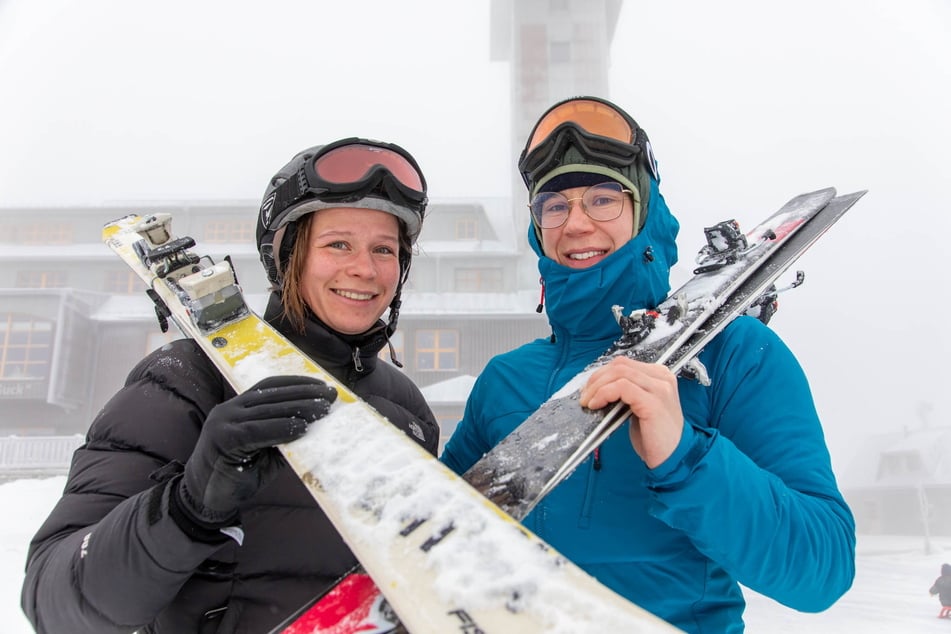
column 602, row 202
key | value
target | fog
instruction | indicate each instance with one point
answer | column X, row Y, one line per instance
column 746, row 104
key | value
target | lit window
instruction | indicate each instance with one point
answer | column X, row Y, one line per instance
column 41, row 279
column 437, row 350
column 26, row 345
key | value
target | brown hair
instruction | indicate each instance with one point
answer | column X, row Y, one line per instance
column 295, row 306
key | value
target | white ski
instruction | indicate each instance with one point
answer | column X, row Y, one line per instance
column 447, row 559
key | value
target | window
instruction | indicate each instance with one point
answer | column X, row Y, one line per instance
column 900, row 463
column 123, row 283
column 478, row 280
column 26, row 345
column 41, row 279
column 437, row 350
column 46, row 233
column 229, row 231
column 467, row 229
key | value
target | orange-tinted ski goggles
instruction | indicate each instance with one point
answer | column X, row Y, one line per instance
column 601, row 131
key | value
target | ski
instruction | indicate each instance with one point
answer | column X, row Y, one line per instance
column 444, row 557
column 736, row 274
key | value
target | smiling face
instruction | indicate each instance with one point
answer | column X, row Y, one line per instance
column 582, row 242
column 351, row 267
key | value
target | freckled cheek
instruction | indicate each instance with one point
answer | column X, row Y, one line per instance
column 392, row 278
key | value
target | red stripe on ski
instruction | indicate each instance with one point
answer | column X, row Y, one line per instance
column 785, row 228
column 354, row 605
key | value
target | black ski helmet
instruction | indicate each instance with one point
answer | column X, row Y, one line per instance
column 351, row 172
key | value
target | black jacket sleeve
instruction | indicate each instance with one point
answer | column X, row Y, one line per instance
column 109, row 557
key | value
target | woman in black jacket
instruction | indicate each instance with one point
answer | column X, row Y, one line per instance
column 178, row 514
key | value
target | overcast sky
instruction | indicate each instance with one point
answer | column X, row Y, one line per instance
column 747, row 104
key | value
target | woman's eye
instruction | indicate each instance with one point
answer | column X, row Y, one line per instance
column 385, row 250
column 601, row 201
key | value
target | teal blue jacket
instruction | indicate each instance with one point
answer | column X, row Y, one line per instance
column 748, row 496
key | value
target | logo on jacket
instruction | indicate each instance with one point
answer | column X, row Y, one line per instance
column 417, row 431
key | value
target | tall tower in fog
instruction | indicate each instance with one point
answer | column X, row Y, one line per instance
column 556, row 49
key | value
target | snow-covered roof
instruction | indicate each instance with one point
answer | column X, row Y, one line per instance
column 481, row 304
column 455, row 390
column 471, row 248
column 97, row 250
column 139, row 307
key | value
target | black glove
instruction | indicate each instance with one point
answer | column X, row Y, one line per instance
column 235, row 454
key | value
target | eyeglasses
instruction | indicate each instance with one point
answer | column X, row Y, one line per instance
column 602, row 203
column 352, row 169
column 600, row 130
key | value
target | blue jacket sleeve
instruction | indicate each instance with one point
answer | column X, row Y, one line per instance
column 752, row 484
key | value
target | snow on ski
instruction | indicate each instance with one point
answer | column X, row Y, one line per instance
column 445, row 558
column 561, row 433
column 734, row 273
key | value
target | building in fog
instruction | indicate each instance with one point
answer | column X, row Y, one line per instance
column 900, row 483
column 74, row 320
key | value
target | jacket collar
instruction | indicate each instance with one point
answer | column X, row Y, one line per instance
column 337, row 353
column 579, row 301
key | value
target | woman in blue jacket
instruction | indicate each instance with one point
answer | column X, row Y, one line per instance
column 711, row 486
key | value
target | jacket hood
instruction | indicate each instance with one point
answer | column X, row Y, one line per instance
column 578, row 301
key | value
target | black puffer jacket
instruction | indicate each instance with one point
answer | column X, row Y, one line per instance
column 110, row 559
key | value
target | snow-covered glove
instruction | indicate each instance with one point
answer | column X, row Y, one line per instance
column 236, row 455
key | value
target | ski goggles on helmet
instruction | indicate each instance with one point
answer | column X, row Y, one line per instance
column 351, row 169
column 602, row 132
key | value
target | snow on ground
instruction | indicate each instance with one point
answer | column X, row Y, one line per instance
column 890, row 593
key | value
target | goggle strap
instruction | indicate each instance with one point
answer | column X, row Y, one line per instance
column 601, row 149
column 290, row 192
